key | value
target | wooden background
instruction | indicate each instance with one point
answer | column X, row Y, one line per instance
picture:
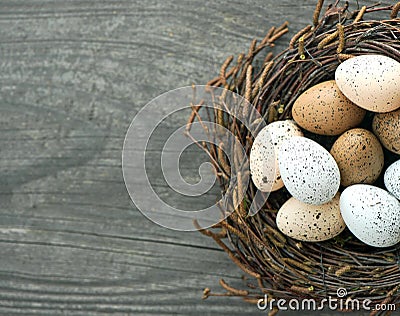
column 73, row 74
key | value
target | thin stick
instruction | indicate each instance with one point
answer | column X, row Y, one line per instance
column 235, row 259
column 342, row 39
column 195, row 110
column 329, row 38
column 224, row 66
column 345, row 56
column 298, row 35
column 395, row 10
column 234, row 231
column 261, row 80
column 282, row 27
column 278, row 35
column 232, row 289
column 301, row 48
column 248, row 83
column 360, row 15
column 317, row 12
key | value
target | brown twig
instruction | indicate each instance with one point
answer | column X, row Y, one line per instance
column 224, row 66
column 329, row 38
column 395, row 10
column 278, row 35
column 249, row 73
column 301, row 48
column 342, row 270
column 342, row 38
column 317, row 12
column 298, row 35
column 360, row 15
column 233, row 290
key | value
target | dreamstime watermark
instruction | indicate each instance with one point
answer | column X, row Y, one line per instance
column 341, row 302
column 212, row 102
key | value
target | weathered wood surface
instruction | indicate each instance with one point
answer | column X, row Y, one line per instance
column 73, row 75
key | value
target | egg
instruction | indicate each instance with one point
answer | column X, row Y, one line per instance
column 372, row 214
column 370, row 81
column 392, row 179
column 359, row 156
column 310, row 222
column 386, row 126
column 324, row 110
column 263, row 155
column 308, row 170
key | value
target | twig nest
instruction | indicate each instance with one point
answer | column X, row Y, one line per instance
column 326, row 82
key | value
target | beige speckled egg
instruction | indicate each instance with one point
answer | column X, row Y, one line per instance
column 370, row 81
column 264, row 154
column 359, row 156
column 310, row 222
column 386, row 127
column 324, row 110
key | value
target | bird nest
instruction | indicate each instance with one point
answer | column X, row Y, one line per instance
column 284, row 267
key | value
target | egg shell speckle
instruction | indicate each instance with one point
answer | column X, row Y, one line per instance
column 264, row 154
column 359, row 156
column 386, row 126
column 308, row 171
column 310, row 222
column 372, row 214
column 392, row 179
column 370, row 81
column 323, row 109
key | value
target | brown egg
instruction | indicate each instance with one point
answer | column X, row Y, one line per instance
column 386, row 127
column 359, row 156
column 310, row 222
column 324, row 110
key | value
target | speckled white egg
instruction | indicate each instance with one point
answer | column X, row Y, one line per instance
column 370, row 81
column 308, row 171
column 308, row 222
column 372, row 214
column 392, row 179
column 264, row 154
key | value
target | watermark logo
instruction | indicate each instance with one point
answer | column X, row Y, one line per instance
column 213, row 108
column 341, row 302
column 341, row 292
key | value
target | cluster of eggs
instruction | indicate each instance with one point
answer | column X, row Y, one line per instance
column 335, row 189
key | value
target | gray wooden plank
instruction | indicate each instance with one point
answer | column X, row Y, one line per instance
column 73, row 75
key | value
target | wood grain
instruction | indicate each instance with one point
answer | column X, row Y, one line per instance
column 72, row 76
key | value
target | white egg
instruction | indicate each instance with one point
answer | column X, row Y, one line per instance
column 370, row 81
column 392, row 179
column 308, row 171
column 372, row 214
column 263, row 156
